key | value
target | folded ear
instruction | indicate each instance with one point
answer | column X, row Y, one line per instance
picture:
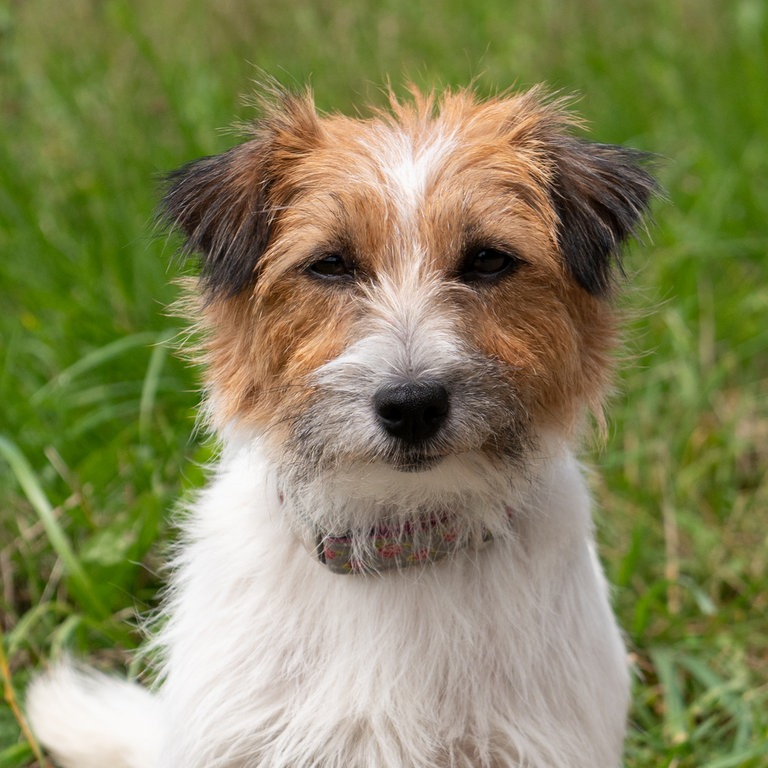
column 600, row 193
column 226, row 205
column 221, row 205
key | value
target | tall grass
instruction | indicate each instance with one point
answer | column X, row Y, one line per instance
column 97, row 100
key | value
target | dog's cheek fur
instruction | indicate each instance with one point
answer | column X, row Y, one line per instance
column 555, row 340
column 261, row 353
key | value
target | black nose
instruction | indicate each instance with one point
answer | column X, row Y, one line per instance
column 412, row 411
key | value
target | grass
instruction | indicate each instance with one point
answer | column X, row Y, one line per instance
column 98, row 99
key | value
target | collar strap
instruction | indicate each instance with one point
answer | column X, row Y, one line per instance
column 420, row 543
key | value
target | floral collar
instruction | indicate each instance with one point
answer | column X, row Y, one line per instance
column 386, row 548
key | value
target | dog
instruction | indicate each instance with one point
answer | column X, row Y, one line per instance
column 406, row 320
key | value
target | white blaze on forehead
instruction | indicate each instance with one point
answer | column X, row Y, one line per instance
column 408, row 165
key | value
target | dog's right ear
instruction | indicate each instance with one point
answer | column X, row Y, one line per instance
column 226, row 205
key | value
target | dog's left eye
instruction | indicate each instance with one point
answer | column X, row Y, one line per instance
column 332, row 266
column 488, row 264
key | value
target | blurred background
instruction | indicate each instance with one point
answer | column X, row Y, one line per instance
column 97, row 438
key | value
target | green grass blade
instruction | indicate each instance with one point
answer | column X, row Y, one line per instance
column 675, row 725
column 16, row 756
column 95, row 359
column 150, row 384
column 33, row 491
column 749, row 758
column 22, row 633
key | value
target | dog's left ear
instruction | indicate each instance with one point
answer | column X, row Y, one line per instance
column 600, row 193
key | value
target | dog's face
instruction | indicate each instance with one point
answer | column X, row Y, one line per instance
column 427, row 286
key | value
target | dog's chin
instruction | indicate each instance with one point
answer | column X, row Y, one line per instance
column 414, row 463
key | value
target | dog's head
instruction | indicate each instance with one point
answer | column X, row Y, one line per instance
column 430, row 283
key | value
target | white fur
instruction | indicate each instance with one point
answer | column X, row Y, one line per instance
column 409, row 167
column 94, row 721
column 504, row 657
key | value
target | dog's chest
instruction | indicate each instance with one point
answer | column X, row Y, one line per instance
column 481, row 659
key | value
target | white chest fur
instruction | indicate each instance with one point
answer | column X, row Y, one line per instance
column 504, row 657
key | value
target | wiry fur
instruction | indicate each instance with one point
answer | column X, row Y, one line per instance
column 503, row 654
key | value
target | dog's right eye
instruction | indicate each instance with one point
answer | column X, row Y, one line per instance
column 332, row 266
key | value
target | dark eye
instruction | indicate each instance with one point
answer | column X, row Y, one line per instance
column 331, row 266
column 488, row 264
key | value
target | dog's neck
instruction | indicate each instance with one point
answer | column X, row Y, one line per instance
column 419, row 543
column 374, row 526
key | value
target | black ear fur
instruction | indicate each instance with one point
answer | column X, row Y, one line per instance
column 600, row 193
column 221, row 205
column 226, row 205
